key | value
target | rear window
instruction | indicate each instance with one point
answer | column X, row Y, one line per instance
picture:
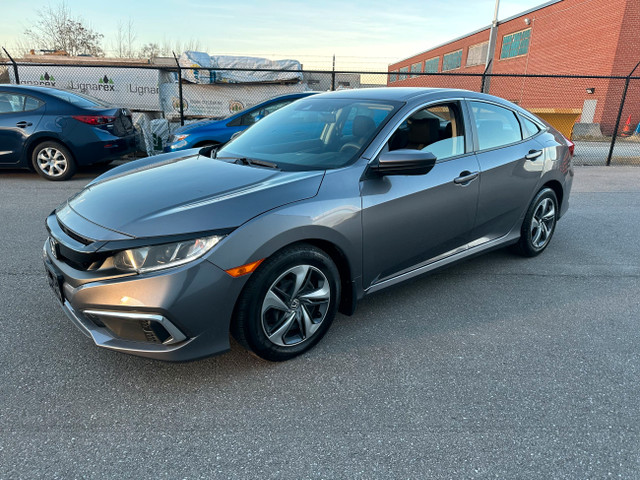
column 12, row 103
column 78, row 100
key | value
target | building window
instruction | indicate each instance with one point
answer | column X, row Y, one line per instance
column 477, row 54
column 403, row 73
column 344, row 84
column 431, row 66
column 515, row 44
column 452, row 60
column 393, row 76
column 415, row 68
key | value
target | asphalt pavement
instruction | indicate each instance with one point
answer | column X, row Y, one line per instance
column 499, row 367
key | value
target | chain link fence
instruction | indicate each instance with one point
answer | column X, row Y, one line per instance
column 600, row 114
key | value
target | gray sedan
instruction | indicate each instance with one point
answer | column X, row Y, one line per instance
column 327, row 200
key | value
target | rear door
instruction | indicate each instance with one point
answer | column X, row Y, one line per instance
column 507, row 177
column 19, row 117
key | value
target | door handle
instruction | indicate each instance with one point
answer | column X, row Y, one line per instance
column 465, row 177
column 23, row 124
column 533, row 154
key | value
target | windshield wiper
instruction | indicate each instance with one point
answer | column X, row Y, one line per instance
column 250, row 161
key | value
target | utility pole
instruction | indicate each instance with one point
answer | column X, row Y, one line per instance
column 491, row 50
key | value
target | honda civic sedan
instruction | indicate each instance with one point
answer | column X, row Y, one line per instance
column 323, row 202
column 54, row 131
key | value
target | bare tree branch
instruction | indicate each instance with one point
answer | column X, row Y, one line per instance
column 56, row 29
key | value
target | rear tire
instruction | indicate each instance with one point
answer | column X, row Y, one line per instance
column 288, row 304
column 53, row 161
column 539, row 224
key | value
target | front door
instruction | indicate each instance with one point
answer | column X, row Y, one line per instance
column 409, row 221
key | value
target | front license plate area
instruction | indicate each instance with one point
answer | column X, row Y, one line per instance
column 55, row 281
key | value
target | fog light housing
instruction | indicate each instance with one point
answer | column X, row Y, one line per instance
column 136, row 327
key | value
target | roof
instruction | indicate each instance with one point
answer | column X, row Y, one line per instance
column 384, row 93
column 29, row 88
column 513, row 17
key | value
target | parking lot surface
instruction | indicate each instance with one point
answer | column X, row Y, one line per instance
column 499, row 367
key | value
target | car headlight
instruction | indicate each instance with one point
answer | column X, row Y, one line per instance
column 148, row 259
column 178, row 138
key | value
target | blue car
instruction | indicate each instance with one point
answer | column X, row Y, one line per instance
column 218, row 132
column 54, row 131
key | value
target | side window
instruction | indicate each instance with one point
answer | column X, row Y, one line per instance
column 10, row 103
column 529, row 129
column 32, row 104
column 252, row 117
column 438, row 129
column 496, row 126
column 275, row 106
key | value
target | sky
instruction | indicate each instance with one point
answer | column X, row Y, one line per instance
column 372, row 31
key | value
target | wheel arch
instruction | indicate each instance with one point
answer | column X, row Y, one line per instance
column 348, row 287
column 33, row 143
column 348, row 295
column 556, row 186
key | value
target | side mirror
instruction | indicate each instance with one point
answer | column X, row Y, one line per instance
column 209, row 151
column 405, row 162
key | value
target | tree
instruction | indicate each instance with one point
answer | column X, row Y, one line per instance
column 56, row 29
column 125, row 38
column 150, row 50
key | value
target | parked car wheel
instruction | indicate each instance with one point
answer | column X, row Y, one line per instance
column 289, row 303
column 539, row 224
column 53, row 161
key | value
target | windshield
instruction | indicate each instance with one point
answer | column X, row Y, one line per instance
column 79, row 100
column 313, row 133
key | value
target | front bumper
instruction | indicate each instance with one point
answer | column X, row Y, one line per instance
column 178, row 314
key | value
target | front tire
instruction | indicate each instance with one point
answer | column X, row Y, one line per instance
column 539, row 224
column 53, row 161
column 288, row 304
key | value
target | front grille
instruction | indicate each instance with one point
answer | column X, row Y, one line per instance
column 74, row 235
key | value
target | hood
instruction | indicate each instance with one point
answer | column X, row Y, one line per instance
column 175, row 196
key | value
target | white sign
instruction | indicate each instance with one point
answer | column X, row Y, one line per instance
column 133, row 88
column 218, row 101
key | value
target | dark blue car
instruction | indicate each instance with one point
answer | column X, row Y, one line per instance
column 54, row 131
column 218, row 132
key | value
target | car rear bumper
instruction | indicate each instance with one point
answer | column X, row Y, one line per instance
column 180, row 314
column 106, row 149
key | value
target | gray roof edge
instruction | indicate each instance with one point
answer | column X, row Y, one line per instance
column 512, row 17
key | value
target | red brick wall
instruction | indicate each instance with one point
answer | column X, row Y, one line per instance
column 571, row 37
column 469, row 83
column 627, row 57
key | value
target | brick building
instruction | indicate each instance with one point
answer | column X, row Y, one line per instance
column 561, row 37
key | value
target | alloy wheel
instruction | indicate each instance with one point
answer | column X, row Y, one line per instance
column 543, row 223
column 295, row 305
column 52, row 162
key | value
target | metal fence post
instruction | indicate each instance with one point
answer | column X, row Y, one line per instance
column 615, row 130
column 484, row 78
column 15, row 66
column 333, row 74
column 180, row 89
